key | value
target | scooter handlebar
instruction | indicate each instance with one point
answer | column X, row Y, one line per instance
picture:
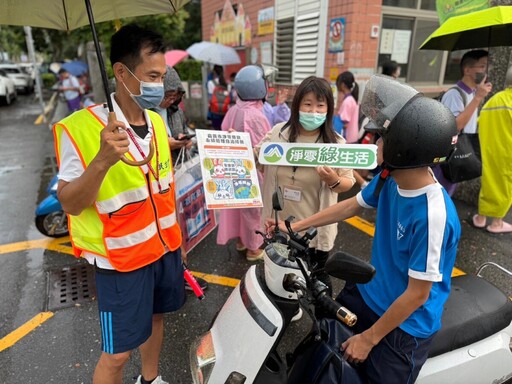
column 334, row 308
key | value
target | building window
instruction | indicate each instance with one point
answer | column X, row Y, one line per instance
column 401, row 3
column 414, row 26
column 284, row 49
column 425, row 65
column 306, row 46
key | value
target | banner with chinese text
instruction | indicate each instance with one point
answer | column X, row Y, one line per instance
column 356, row 156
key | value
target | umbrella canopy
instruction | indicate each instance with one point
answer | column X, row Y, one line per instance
column 76, row 68
column 71, row 14
column 213, row 53
column 175, row 56
column 491, row 27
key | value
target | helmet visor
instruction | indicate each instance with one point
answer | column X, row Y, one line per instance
column 383, row 98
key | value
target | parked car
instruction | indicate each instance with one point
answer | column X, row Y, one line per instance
column 7, row 88
column 29, row 68
column 22, row 80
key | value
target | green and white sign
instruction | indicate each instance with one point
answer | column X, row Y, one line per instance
column 357, row 156
column 449, row 8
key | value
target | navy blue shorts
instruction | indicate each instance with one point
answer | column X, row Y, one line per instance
column 398, row 357
column 128, row 300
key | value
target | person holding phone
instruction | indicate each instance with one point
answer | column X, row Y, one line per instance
column 464, row 100
column 173, row 115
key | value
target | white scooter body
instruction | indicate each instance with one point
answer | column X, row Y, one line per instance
column 474, row 345
column 247, row 326
column 244, row 348
column 486, row 361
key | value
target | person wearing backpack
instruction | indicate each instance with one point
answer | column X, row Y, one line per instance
column 475, row 87
column 220, row 97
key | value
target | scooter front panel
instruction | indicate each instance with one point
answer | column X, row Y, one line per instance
column 241, row 337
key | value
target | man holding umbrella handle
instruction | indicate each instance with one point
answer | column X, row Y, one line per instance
column 123, row 218
column 464, row 99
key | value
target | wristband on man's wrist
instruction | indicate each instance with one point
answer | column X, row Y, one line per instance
column 335, row 184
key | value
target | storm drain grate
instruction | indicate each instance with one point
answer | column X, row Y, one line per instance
column 71, row 285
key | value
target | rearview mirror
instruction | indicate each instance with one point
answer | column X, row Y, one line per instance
column 349, row 268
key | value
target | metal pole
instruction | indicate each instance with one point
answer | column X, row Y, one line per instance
column 32, row 58
column 101, row 63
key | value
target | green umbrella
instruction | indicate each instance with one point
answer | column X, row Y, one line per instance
column 491, row 27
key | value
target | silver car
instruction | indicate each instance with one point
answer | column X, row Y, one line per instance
column 22, row 80
column 7, row 88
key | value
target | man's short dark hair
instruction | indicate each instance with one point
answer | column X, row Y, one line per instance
column 127, row 44
column 471, row 58
column 389, row 67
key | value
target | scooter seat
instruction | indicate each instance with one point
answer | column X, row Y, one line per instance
column 475, row 309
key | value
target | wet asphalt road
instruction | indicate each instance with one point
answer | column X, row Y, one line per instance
column 65, row 348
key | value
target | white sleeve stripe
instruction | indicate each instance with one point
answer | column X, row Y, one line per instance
column 436, row 209
column 361, row 202
column 425, row 276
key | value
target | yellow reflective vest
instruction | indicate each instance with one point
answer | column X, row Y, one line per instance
column 132, row 220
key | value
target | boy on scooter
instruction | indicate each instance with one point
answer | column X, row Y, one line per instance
column 416, row 234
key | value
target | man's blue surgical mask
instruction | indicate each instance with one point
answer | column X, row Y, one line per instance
column 151, row 94
column 311, row 121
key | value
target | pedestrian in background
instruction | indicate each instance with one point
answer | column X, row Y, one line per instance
column 123, row 218
column 391, row 68
column 281, row 111
column 349, row 114
column 465, row 98
column 245, row 116
column 307, row 190
column 495, row 130
column 172, row 114
column 220, row 100
column 71, row 90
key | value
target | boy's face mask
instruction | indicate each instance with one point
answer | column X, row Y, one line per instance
column 151, row 94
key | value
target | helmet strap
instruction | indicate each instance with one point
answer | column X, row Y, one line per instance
column 386, row 170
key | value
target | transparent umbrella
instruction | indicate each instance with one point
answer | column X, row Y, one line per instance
column 213, row 53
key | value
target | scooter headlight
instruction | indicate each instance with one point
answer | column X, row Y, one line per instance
column 202, row 358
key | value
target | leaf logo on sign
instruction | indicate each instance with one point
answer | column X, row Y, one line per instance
column 273, row 153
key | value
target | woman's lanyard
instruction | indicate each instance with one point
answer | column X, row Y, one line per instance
column 156, row 174
column 294, row 168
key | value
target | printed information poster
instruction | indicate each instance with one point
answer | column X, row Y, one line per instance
column 229, row 173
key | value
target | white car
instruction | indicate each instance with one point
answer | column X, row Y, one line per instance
column 7, row 88
column 22, row 80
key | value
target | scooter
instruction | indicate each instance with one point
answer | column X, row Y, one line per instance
column 473, row 346
column 50, row 217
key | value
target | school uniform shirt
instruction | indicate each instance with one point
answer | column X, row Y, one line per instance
column 416, row 235
column 453, row 100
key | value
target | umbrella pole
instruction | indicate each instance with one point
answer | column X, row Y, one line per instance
column 101, row 63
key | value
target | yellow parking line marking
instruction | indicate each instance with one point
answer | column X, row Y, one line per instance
column 13, row 337
column 216, row 279
column 52, row 244
column 362, row 225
